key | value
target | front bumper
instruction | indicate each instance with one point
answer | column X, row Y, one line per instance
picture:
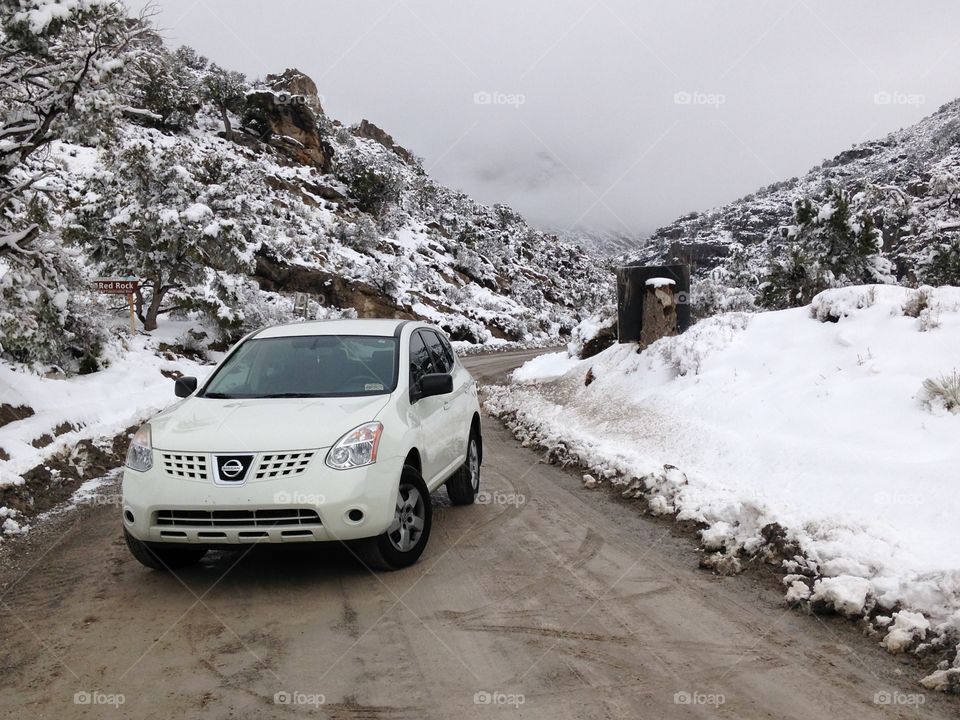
column 319, row 504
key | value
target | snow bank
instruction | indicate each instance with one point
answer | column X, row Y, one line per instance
column 101, row 404
column 810, row 418
column 544, row 367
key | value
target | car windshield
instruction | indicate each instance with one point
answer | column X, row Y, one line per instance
column 307, row 366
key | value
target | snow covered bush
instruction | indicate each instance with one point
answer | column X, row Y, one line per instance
column 43, row 319
column 941, row 265
column 942, row 392
column 160, row 212
column 828, row 245
column 593, row 334
column 711, row 296
column 168, row 87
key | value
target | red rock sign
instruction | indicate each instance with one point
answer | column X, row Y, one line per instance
column 116, row 286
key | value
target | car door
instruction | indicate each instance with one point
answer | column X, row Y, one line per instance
column 429, row 412
column 457, row 402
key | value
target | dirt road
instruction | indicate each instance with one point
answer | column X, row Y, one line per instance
column 545, row 601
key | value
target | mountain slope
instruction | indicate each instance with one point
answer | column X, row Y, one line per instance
column 233, row 199
column 906, row 181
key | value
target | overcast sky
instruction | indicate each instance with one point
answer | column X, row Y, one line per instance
column 607, row 114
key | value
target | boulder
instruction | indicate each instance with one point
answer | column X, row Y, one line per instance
column 289, row 126
column 296, row 84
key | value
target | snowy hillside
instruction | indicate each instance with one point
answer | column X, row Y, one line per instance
column 809, row 435
column 906, row 183
column 227, row 196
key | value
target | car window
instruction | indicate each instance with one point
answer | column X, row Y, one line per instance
column 421, row 363
column 440, row 356
column 307, row 366
column 449, row 349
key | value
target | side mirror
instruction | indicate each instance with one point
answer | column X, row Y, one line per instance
column 185, row 386
column 436, row 384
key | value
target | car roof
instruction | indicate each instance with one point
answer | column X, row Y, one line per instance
column 373, row 327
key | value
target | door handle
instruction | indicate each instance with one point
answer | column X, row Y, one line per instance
column 446, row 406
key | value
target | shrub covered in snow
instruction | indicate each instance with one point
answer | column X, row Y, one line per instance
column 828, row 245
column 942, row 392
column 594, row 334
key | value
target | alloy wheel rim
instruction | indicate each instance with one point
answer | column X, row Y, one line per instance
column 474, row 465
column 409, row 519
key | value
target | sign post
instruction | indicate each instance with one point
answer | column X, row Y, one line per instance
column 120, row 286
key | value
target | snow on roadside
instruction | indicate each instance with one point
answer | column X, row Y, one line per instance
column 543, row 367
column 94, row 406
column 811, row 420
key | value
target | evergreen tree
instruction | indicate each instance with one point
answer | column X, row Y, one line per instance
column 828, row 245
column 166, row 216
column 225, row 90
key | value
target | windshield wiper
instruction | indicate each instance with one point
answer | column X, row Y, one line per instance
column 218, row 396
column 287, row 395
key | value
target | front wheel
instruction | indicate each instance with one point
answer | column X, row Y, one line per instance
column 158, row 557
column 404, row 541
column 464, row 485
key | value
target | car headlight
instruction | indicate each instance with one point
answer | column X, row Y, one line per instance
column 357, row 448
column 140, row 452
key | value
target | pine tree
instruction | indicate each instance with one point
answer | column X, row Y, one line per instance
column 828, row 245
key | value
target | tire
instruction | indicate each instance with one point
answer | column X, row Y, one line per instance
column 404, row 541
column 158, row 557
column 464, row 485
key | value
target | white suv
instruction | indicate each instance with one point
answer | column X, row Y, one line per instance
column 315, row 431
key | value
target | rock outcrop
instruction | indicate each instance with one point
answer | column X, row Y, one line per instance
column 297, row 84
column 367, row 129
column 285, row 114
column 288, row 123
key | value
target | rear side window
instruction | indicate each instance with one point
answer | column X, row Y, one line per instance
column 421, row 363
column 444, row 359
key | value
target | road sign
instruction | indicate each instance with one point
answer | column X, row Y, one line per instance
column 116, row 286
column 120, row 286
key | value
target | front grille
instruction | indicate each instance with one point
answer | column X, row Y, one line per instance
column 283, row 464
column 190, row 467
column 238, row 518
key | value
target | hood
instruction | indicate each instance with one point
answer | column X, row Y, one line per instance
column 261, row 425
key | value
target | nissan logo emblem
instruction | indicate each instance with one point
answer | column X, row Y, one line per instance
column 231, row 468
